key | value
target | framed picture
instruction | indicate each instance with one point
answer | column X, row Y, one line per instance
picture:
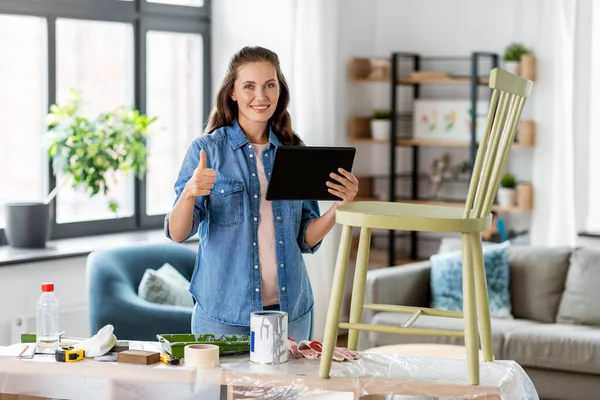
column 448, row 120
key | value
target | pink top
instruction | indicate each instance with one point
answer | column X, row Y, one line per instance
column 266, row 237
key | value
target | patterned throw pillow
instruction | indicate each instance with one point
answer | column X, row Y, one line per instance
column 165, row 286
column 446, row 280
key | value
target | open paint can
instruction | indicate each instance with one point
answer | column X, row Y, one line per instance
column 268, row 337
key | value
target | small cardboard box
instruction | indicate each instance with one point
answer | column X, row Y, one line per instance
column 141, row 357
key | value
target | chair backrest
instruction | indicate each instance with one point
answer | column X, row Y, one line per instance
column 506, row 105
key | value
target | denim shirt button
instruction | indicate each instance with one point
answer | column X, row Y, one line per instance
column 251, row 156
column 256, row 196
column 257, row 289
column 255, row 219
column 266, row 155
column 253, row 174
column 278, row 217
column 283, row 289
column 256, row 267
column 281, row 265
column 254, row 244
column 280, row 242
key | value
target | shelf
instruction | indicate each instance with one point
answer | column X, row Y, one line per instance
column 426, row 143
column 412, row 81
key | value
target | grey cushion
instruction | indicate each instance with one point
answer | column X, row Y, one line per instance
column 555, row 346
column 579, row 304
column 537, row 279
column 499, row 328
column 165, row 286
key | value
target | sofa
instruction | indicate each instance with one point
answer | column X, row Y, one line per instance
column 113, row 277
column 555, row 300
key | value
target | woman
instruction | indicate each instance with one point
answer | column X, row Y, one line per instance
column 250, row 252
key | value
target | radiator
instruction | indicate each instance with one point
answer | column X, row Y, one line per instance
column 74, row 321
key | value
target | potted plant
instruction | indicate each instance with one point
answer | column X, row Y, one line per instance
column 506, row 191
column 512, row 57
column 85, row 152
column 380, row 124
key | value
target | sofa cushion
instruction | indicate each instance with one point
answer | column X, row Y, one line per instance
column 555, row 346
column 579, row 303
column 446, row 280
column 537, row 280
column 165, row 286
column 500, row 327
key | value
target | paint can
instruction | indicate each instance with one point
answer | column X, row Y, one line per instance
column 268, row 337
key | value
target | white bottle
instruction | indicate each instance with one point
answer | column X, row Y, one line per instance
column 47, row 319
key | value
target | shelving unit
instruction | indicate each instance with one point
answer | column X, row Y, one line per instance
column 396, row 78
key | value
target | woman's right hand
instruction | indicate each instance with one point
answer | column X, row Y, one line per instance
column 203, row 179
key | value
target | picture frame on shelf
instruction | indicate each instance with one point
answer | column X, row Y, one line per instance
column 447, row 120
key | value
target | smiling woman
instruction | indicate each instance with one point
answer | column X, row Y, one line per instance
column 221, row 194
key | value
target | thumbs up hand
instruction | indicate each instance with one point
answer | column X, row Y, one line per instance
column 203, row 179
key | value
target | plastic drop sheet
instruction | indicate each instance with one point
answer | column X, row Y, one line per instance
column 405, row 377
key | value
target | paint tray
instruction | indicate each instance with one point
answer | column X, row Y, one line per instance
column 174, row 344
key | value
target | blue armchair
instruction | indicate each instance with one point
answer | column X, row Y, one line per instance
column 113, row 277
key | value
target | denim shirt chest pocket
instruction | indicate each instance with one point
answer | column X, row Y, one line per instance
column 226, row 203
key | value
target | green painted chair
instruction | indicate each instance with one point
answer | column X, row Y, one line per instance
column 508, row 98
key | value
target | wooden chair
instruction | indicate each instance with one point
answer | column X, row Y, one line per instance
column 508, row 98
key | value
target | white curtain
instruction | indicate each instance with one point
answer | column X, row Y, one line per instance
column 313, row 87
column 553, row 175
column 592, row 223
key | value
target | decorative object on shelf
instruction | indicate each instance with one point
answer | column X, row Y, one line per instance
column 374, row 69
column 506, row 191
column 87, row 152
column 512, row 57
column 526, row 133
column 448, row 120
column 460, row 171
column 380, row 124
column 365, row 187
column 527, row 66
column 425, row 76
column 439, row 168
column 524, row 196
column 379, row 68
column 359, row 127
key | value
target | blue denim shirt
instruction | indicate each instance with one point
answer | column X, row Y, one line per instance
column 226, row 282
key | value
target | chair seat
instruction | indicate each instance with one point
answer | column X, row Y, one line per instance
column 409, row 217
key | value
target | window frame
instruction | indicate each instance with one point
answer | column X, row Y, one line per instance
column 144, row 17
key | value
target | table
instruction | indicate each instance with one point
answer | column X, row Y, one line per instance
column 372, row 374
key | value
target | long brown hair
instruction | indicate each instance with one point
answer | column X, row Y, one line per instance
column 226, row 110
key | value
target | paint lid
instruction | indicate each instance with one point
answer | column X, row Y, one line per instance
column 48, row 287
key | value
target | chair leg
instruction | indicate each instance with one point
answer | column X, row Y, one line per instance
column 358, row 289
column 335, row 302
column 482, row 300
column 469, row 311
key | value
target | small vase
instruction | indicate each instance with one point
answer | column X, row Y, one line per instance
column 512, row 67
column 380, row 129
column 506, row 197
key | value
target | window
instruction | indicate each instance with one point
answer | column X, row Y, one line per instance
column 23, row 102
column 174, row 91
column 151, row 54
column 96, row 58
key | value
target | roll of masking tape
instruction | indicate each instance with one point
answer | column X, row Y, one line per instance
column 201, row 355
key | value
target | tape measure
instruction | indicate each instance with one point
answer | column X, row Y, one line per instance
column 69, row 354
column 169, row 359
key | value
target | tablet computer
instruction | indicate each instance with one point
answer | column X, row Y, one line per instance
column 301, row 172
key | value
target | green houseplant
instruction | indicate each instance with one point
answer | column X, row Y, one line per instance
column 506, row 191
column 512, row 56
column 380, row 124
column 85, row 152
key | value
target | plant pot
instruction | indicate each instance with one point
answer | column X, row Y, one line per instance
column 380, row 129
column 512, row 67
column 506, row 197
column 27, row 224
